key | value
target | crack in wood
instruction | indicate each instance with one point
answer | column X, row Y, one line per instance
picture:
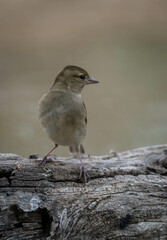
column 126, row 198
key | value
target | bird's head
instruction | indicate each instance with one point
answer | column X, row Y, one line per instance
column 72, row 78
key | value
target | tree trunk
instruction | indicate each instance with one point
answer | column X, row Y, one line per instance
column 125, row 198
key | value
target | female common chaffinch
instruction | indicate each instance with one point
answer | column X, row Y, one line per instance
column 63, row 113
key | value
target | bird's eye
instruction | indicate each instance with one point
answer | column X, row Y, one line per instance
column 82, row 76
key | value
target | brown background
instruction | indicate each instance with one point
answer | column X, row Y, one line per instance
column 121, row 43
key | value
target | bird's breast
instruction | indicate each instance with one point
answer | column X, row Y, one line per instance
column 65, row 119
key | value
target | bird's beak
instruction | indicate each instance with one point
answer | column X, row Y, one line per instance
column 91, row 80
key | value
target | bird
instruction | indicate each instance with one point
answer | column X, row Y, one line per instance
column 63, row 114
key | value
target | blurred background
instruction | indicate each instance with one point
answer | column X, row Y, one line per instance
column 123, row 44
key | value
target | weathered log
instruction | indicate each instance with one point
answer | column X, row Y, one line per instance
column 126, row 197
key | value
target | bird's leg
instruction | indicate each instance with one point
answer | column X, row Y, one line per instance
column 45, row 159
column 83, row 172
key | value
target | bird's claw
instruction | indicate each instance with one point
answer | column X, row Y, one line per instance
column 45, row 160
column 84, row 174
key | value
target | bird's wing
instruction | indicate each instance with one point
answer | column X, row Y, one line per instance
column 86, row 120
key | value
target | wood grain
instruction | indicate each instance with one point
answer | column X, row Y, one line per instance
column 126, row 197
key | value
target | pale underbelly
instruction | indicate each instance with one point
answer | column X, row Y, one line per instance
column 64, row 131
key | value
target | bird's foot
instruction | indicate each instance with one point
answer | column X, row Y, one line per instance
column 45, row 160
column 83, row 174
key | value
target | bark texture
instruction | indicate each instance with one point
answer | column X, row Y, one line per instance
column 126, row 197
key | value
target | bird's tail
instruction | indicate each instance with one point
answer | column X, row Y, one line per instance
column 74, row 149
